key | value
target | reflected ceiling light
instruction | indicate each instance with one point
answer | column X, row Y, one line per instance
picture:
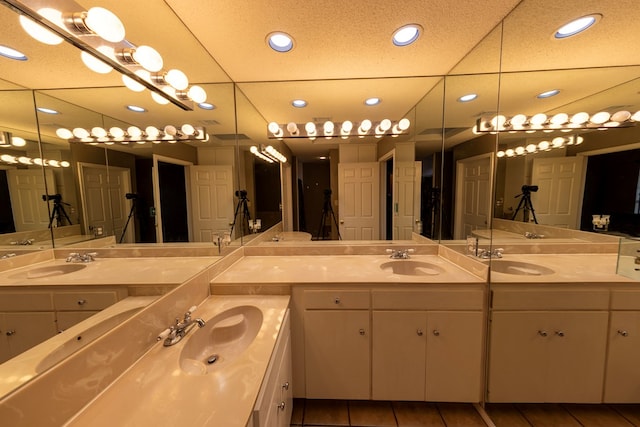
column 557, row 142
column 25, row 160
column 11, row 53
column 548, row 94
column 206, row 106
column 17, row 141
column 65, row 164
column 510, row 152
column 406, row 35
column 372, row 101
column 467, row 98
column 40, row 33
column 136, row 109
column 299, row 103
column 280, row 42
column 576, row 26
column 47, row 110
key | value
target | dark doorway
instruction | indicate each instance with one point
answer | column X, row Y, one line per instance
column 316, row 181
column 6, row 214
column 268, row 197
column 173, row 202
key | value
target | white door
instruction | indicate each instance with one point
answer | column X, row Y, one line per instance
column 26, row 188
column 406, row 209
column 473, row 195
column 212, row 200
column 559, row 181
column 359, row 198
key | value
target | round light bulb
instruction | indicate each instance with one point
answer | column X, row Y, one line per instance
column 365, row 126
column 80, row 133
column 310, row 128
column 580, row 118
column 197, row 94
column 538, row 120
column 40, row 33
column 273, row 127
column 16, row 141
column 152, row 132
column 188, row 129
column 292, row 128
column 498, row 122
column 347, row 126
column 328, row 127
column 148, row 58
column 404, row 124
column 559, row 119
column 510, row 152
column 38, row 161
column 500, row 154
column 177, row 79
column 621, row 116
column 98, row 132
column 531, row 148
column 170, row 130
column 543, row 145
column 65, row 164
column 64, row 133
column 116, row 132
column 385, row 125
column 636, row 116
column 105, row 23
column 600, row 118
column 54, row 163
column 134, row 132
column 557, row 142
column 25, row 160
column 518, row 121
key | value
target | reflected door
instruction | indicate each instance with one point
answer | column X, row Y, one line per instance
column 26, row 188
column 358, row 200
column 559, row 181
column 212, row 200
column 473, row 195
column 407, row 194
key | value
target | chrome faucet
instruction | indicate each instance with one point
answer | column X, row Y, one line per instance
column 488, row 254
column 25, row 242
column 174, row 333
column 400, row 253
column 8, row 255
column 530, row 235
column 86, row 257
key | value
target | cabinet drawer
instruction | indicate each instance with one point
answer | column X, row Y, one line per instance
column 458, row 299
column 560, row 299
column 336, row 299
column 84, row 300
column 25, row 301
column 625, row 300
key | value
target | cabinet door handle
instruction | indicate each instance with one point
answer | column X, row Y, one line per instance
column 11, row 332
column 436, row 332
column 560, row 333
column 419, row 332
column 623, row 332
column 82, row 301
column 361, row 331
column 285, row 386
column 542, row 333
column 336, row 300
column 282, row 406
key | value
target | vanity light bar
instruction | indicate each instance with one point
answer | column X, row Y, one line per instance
column 557, row 142
column 24, row 160
column 558, row 122
column 99, row 135
column 344, row 130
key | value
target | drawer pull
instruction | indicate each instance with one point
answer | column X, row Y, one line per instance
column 436, row 332
column 11, row 332
column 282, row 406
column 336, row 300
column 623, row 333
column 361, row 331
column 419, row 332
column 285, row 385
column 542, row 333
column 82, row 301
column 560, row 333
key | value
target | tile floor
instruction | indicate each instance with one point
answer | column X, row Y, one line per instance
column 325, row 413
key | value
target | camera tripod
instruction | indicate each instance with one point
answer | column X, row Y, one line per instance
column 525, row 205
column 131, row 213
column 242, row 203
column 58, row 209
column 327, row 211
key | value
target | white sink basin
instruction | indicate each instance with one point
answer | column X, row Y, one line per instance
column 54, row 270
column 222, row 339
column 518, row 268
column 411, row 268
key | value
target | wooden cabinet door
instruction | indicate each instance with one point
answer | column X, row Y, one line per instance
column 337, row 355
column 454, row 356
column 398, row 357
column 517, row 358
column 576, row 356
column 5, row 353
column 623, row 370
column 28, row 329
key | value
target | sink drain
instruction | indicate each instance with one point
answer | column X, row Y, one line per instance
column 212, row 359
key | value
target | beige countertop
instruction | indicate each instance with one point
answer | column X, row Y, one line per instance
column 567, row 268
column 337, row 269
column 156, row 391
column 20, row 369
column 109, row 271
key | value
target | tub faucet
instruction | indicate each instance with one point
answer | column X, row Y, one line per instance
column 400, row 253
column 174, row 333
column 86, row 257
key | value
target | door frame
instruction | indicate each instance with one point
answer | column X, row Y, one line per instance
column 457, row 224
column 156, row 192
column 382, row 161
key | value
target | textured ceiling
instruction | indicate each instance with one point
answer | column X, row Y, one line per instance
column 342, row 55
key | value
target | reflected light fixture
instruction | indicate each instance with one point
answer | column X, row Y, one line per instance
column 548, row 94
column 372, row 101
column 576, row 26
column 46, row 110
column 136, row 109
column 329, row 129
column 468, row 98
column 11, row 53
column 168, row 133
column 299, row 103
column 557, row 142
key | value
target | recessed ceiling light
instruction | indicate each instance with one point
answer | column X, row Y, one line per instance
column 206, row 106
column 47, row 110
column 372, row 101
column 548, row 94
column 406, row 35
column 10, row 53
column 280, row 42
column 467, row 98
column 299, row 103
column 576, row 26
column 136, row 109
